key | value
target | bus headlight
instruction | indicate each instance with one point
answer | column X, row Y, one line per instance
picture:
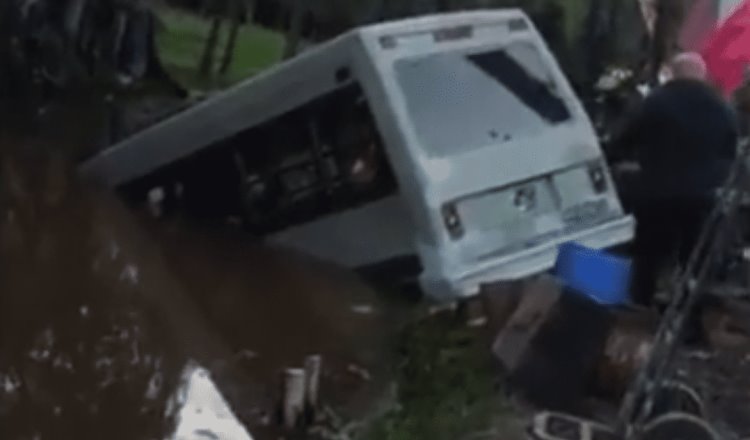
column 452, row 220
column 598, row 178
column 525, row 199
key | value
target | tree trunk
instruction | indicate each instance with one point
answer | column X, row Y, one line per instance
column 443, row 5
column 209, row 52
column 73, row 16
column 594, row 34
column 249, row 11
column 236, row 17
column 294, row 33
column 206, row 8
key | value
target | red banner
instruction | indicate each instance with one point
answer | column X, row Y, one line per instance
column 727, row 50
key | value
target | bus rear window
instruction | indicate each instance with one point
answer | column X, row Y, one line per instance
column 461, row 101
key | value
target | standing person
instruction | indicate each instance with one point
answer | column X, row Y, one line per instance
column 685, row 139
column 741, row 99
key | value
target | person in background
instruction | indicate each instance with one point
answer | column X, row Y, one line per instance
column 684, row 136
column 357, row 145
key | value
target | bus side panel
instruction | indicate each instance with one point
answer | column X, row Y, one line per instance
column 375, row 232
column 250, row 103
column 405, row 165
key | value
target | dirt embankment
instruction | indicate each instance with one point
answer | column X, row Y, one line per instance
column 273, row 307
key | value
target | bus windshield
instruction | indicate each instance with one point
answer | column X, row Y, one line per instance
column 462, row 101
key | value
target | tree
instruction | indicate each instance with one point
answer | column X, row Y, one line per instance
column 205, row 69
column 236, row 14
column 249, row 11
column 294, row 33
column 444, row 5
column 205, row 8
column 50, row 48
column 74, row 16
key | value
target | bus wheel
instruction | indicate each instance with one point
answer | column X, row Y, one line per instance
column 678, row 426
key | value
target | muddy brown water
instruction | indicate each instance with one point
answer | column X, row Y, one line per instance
column 100, row 309
column 274, row 306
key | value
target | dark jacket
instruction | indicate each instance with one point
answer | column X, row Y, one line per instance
column 685, row 139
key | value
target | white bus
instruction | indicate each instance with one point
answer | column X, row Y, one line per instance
column 451, row 139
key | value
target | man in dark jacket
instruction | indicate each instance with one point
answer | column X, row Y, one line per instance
column 685, row 139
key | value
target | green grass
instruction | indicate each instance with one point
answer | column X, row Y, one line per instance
column 181, row 41
column 447, row 387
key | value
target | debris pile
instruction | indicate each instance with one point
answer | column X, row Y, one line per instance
column 584, row 378
column 550, row 328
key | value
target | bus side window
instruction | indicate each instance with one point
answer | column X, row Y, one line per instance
column 319, row 159
column 359, row 151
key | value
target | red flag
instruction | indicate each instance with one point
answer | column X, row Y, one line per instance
column 727, row 50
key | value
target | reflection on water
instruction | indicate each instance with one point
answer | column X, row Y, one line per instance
column 98, row 317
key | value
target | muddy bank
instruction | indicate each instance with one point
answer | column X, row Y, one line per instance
column 85, row 349
column 273, row 307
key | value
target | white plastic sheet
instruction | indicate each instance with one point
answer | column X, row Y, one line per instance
column 202, row 411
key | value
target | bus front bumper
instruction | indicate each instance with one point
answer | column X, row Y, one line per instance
column 443, row 285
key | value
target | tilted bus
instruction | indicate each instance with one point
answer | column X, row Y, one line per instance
column 451, row 140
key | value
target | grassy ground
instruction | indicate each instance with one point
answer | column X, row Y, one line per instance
column 447, row 388
column 182, row 40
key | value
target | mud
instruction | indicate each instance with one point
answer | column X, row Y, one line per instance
column 273, row 307
column 98, row 314
column 82, row 339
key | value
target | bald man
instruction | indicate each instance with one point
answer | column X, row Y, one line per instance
column 689, row 65
column 685, row 139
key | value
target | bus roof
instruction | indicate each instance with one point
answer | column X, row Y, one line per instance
column 251, row 102
column 432, row 21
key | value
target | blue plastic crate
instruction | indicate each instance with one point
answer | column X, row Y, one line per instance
column 601, row 276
